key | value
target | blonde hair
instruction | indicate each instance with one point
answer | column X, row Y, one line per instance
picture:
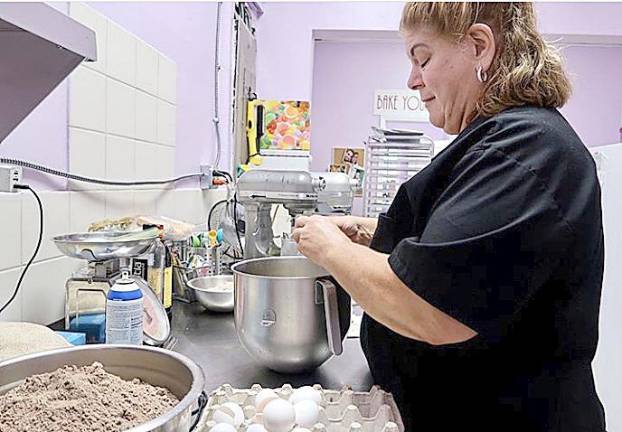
column 526, row 69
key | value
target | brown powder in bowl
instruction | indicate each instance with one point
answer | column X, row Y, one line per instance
column 81, row 399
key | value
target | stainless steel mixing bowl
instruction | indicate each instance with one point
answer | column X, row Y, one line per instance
column 100, row 246
column 207, row 290
column 289, row 314
column 153, row 365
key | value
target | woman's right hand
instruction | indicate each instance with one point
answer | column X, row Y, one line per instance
column 358, row 229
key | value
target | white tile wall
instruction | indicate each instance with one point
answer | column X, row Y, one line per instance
column 122, row 122
column 146, row 163
column 41, row 297
column 183, row 204
column 87, row 99
column 85, row 208
column 167, row 79
column 135, row 98
column 10, row 230
column 55, row 222
column 147, row 68
column 43, row 294
column 147, row 117
column 146, row 202
column 87, row 157
column 120, row 155
column 165, row 160
column 120, row 109
column 119, row 204
column 8, row 279
column 121, row 55
column 166, row 123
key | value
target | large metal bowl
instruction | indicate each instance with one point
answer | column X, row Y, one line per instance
column 289, row 314
column 101, row 246
column 207, row 293
column 155, row 366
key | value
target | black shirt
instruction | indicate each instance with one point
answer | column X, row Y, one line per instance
column 502, row 231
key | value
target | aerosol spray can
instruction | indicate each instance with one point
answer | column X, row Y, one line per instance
column 124, row 312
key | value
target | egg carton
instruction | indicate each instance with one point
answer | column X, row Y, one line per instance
column 342, row 410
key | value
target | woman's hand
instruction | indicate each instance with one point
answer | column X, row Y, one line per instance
column 359, row 230
column 319, row 237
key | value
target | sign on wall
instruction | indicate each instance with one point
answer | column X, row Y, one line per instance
column 400, row 105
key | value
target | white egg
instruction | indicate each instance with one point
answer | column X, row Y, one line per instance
column 263, row 397
column 301, row 429
column 279, row 416
column 230, row 413
column 305, row 393
column 307, row 413
column 256, row 428
column 223, row 427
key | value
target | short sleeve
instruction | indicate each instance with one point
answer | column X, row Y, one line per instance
column 492, row 240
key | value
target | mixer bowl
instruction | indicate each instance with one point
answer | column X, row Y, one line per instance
column 285, row 315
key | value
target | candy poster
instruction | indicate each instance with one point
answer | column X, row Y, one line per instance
column 286, row 125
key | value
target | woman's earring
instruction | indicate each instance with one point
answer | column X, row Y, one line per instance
column 482, row 75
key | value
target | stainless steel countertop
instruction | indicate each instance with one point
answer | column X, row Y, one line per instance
column 210, row 340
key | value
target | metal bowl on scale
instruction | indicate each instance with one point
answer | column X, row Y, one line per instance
column 105, row 245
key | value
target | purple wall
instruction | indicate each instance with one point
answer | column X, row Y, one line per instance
column 184, row 32
column 285, row 45
column 595, row 108
column 41, row 137
column 345, row 76
column 342, row 114
column 580, row 18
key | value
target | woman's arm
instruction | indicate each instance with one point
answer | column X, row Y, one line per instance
column 366, row 275
column 358, row 229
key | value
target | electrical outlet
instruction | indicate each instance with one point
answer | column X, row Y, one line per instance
column 9, row 177
column 207, row 177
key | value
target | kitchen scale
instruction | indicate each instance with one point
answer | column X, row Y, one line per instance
column 108, row 255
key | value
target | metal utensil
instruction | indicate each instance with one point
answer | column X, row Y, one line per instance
column 153, row 365
column 101, row 246
column 289, row 314
column 209, row 292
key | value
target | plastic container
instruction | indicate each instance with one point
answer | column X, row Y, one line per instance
column 124, row 313
column 339, row 410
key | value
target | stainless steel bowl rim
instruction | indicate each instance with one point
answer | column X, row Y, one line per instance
column 192, row 284
column 187, row 401
column 234, row 268
column 98, row 237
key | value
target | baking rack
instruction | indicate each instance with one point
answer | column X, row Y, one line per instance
column 390, row 160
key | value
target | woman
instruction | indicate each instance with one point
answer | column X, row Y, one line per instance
column 481, row 284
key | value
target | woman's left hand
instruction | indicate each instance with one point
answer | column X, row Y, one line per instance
column 318, row 236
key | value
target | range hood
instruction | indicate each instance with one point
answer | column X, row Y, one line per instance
column 39, row 47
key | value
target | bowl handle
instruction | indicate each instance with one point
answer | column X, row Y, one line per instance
column 328, row 292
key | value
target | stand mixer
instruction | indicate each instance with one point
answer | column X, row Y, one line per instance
column 300, row 192
column 108, row 256
column 268, row 289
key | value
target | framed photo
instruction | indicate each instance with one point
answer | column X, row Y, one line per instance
column 357, row 173
column 348, row 155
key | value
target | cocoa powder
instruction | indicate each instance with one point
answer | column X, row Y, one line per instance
column 77, row 399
